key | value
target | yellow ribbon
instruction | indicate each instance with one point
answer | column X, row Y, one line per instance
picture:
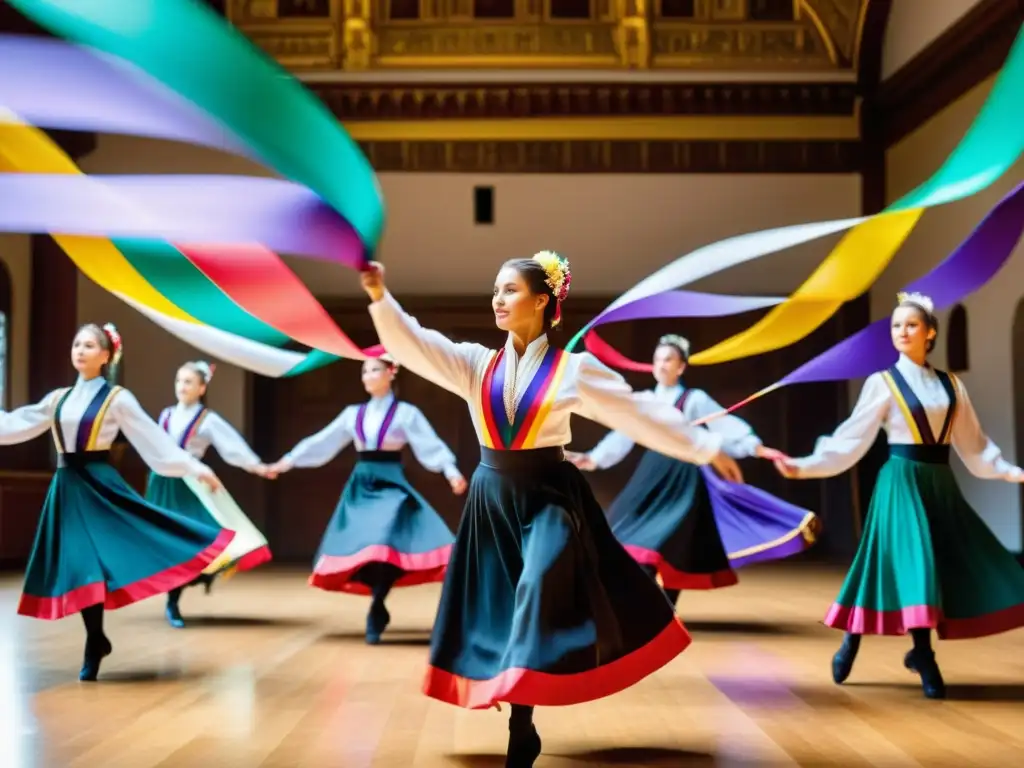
column 25, row 149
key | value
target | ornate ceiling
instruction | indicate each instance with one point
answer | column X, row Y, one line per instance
column 820, row 36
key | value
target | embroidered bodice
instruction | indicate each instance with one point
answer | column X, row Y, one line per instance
column 89, row 416
column 195, row 428
column 739, row 440
column 382, row 424
column 519, row 403
column 914, row 404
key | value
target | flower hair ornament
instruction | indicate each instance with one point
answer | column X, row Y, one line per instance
column 919, row 300
column 204, row 369
column 558, row 279
column 679, row 342
column 391, row 362
column 116, row 345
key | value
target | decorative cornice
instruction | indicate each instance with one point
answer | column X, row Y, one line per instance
column 398, row 101
column 581, row 157
column 956, row 61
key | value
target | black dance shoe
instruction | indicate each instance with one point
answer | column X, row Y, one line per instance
column 377, row 621
column 523, row 749
column 842, row 662
column 173, row 615
column 95, row 652
column 924, row 664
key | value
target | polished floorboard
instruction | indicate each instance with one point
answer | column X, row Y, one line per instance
column 272, row 673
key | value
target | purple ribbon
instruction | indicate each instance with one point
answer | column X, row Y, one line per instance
column 975, row 261
column 285, row 217
column 688, row 304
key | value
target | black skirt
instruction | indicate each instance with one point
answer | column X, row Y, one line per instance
column 381, row 518
column 541, row 605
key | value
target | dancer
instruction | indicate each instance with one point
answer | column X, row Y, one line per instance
column 685, row 525
column 99, row 544
column 383, row 533
column 540, row 605
column 926, row 560
column 195, row 427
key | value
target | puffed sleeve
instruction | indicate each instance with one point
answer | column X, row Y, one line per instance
column 158, row 449
column 605, row 397
column 979, row 454
column 316, row 450
column 836, row 453
column 228, row 443
column 29, row 421
column 427, row 447
column 612, row 449
column 441, row 361
column 739, row 438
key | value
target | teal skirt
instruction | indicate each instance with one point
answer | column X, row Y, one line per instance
column 100, row 543
column 926, row 559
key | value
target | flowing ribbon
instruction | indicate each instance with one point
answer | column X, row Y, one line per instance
column 210, row 209
column 973, row 264
column 991, row 146
column 193, row 52
column 173, row 286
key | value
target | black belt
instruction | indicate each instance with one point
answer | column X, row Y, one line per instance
column 521, row 461
column 926, row 454
column 81, row 458
column 380, row 457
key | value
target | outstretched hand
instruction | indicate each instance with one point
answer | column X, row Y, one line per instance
column 726, row 466
column 372, row 278
column 581, row 461
column 786, row 468
column 458, row 484
column 211, row 481
column 770, row 454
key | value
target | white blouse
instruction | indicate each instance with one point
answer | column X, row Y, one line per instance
column 586, row 387
column 213, row 430
column 739, row 439
column 878, row 408
column 408, row 427
column 155, row 446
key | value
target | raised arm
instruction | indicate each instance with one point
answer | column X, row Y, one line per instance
column 28, row 422
column 613, row 448
column 836, row 453
column 229, row 443
column 316, row 450
column 605, row 397
column 739, row 439
column 427, row 447
column 158, row 449
column 979, row 454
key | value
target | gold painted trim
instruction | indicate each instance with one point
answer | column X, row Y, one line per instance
column 596, row 61
column 858, row 37
column 686, row 128
column 802, row 6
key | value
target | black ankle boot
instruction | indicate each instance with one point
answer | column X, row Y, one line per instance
column 842, row 662
column 377, row 621
column 924, row 664
column 523, row 747
column 95, row 651
column 206, row 579
column 173, row 614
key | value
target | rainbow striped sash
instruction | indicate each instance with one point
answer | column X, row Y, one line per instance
column 190, row 430
column 533, row 408
column 914, row 412
column 384, row 426
column 92, row 420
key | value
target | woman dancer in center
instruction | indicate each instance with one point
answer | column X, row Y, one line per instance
column 195, row 428
column 383, row 533
column 99, row 544
column 540, row 605
column 926, row 560
column 684, row 524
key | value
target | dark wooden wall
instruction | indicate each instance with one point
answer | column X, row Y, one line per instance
column 299, row 504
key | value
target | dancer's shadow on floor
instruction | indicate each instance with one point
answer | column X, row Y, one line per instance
column 137, row 676
column 696, row 626
column 393, row 637
column 650, row 757
column 226, row 622
column 994, row 692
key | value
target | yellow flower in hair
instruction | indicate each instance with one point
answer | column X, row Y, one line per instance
column 557, row 270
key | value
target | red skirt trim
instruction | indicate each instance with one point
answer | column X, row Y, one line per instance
column 863, row 621
column 333, row 573
column 250, row 560
column 52, row 608
column 532, row 688
column 675, row 579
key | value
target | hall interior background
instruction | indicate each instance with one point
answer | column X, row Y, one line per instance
column 842, row 107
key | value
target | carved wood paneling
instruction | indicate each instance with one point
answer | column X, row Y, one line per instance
column 300, row 503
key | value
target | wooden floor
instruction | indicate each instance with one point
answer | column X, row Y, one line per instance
column 273, row 673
